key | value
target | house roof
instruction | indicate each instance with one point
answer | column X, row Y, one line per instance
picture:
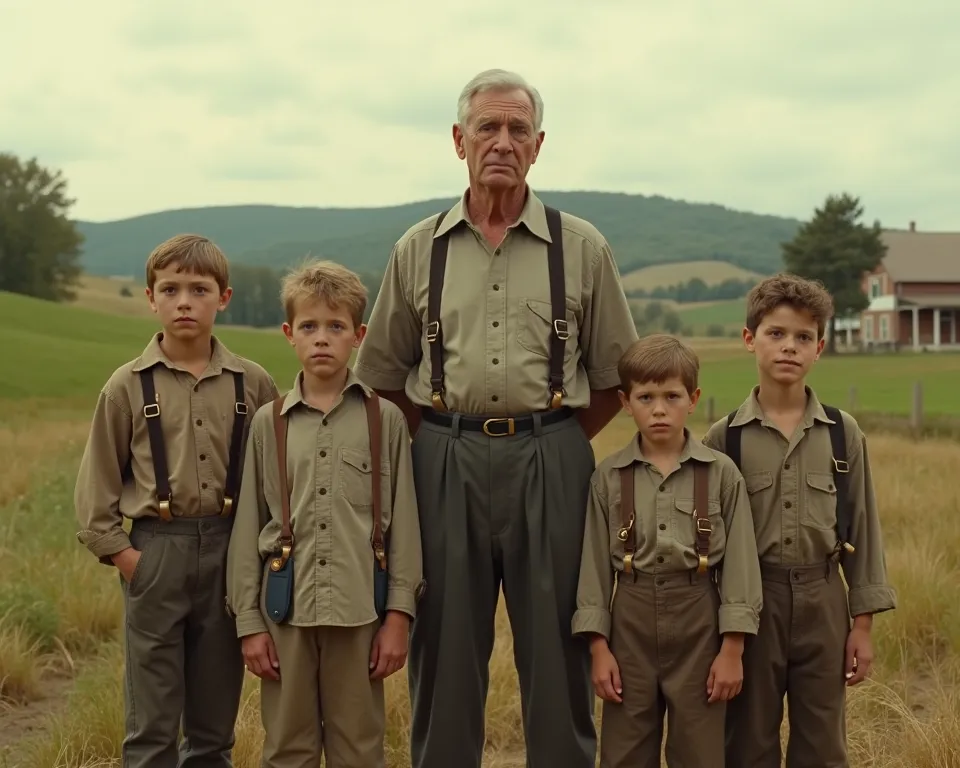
column 922, row 257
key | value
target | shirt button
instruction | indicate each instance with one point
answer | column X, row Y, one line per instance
column 494, row 398
column 323, row 491
column 203, row 456
column 199, row 422
column 496, row 287
column 663, row 527
column 496, row 361
column 663, row 488
column 496, row 252
column 323, row 454
column 787, row 465
column 787, row 504
column 496, row 323
column 203, row 486
column 788, row 540
column 323, row 526
column 323, row 423
column 660, row 559
column 323, row 562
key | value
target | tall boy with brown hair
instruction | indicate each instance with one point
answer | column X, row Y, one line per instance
column 669, row 523
column 808, row 475
column 306, row 548
column 165, row 450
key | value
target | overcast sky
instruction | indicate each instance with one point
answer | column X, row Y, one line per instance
column 759, row 105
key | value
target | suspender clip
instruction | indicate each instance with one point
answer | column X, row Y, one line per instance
column 841, row 466
column 433, row 330
column 561, row 329
column 151, row 410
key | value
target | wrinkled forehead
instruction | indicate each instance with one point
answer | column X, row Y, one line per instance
column 502, row 105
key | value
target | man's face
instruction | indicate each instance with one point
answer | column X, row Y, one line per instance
column 785, row 344
column 186, row 303
column 499, row 142
column 324, row 337
column 660, row 411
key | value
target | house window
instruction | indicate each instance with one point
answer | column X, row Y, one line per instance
column 867, row 325
column 876, row 285
column 884, row 328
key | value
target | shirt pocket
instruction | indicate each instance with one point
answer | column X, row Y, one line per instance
column 535, row 327
column 820, row 508
column 684, row 525
column 355, row 477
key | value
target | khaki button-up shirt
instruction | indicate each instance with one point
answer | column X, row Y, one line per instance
column 665, row 534
column 794, row 499
column 331, row 513
column 116, row 477
column 496, row 316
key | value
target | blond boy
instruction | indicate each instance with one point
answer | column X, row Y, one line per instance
column 814, row 511
column 668, row 523
column 301, row 581
column 165, row 450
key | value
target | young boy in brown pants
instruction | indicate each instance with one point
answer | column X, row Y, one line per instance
column 323, row 602
column 668, row 521
column 808, row 475
column 165, row 450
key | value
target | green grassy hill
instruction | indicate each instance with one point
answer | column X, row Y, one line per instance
column 56, row 351
column 642, row 230
column 60, row 356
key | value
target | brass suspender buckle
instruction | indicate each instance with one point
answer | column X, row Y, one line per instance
column 164, row 505
column 437, row 399
column 704, row 525
column 702, row 564
column 625, row 531
column 556, row 399
column 278, row 562
column 628, row 563
column 227, row 506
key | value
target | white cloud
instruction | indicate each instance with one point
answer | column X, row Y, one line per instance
column 756, row 105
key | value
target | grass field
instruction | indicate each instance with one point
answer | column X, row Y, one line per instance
column 60, row 611
column 665, row 275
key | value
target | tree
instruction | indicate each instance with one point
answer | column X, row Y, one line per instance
column 835, row 248
column 39, row 244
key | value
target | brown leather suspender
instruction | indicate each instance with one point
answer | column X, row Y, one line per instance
column 372, row 405
column 151, row 410
column 560, row 331
column 701, row 520
column 286, row 532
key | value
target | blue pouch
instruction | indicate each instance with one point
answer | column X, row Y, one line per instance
column 279, row 589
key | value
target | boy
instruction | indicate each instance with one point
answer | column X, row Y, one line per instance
column 301, row 563
column 165, row 450
column 809, row 479
column 665, row 515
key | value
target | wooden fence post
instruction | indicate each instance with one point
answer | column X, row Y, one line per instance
column 711, row 410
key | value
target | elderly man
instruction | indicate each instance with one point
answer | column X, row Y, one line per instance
column 497, row 330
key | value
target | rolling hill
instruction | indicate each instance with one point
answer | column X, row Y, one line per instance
column 642, row 230
column 665, row 275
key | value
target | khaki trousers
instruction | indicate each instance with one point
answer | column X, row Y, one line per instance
column 799, row 652
column 324, row 702
column 183, row 669
column 665, row 637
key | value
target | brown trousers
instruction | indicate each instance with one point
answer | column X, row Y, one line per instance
column 664, row 637
column 324, row 702
column 799, row 652
column 183, row 669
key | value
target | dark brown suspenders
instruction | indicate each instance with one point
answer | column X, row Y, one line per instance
column 557, row 278
column 151, row 410
column 701, row 520
column 372, row 405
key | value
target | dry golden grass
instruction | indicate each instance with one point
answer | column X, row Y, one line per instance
column 907, row 714
column 103, row 295
column 665, row 275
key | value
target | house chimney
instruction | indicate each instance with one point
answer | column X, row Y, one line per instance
column 913, row 226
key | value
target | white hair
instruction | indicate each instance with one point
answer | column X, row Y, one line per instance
column 498, row 80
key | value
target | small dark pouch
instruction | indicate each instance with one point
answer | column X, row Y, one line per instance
column 279, row 591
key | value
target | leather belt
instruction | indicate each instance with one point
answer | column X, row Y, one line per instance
column 496, row 426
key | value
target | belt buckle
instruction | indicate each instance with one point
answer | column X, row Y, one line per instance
column 511, row 427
